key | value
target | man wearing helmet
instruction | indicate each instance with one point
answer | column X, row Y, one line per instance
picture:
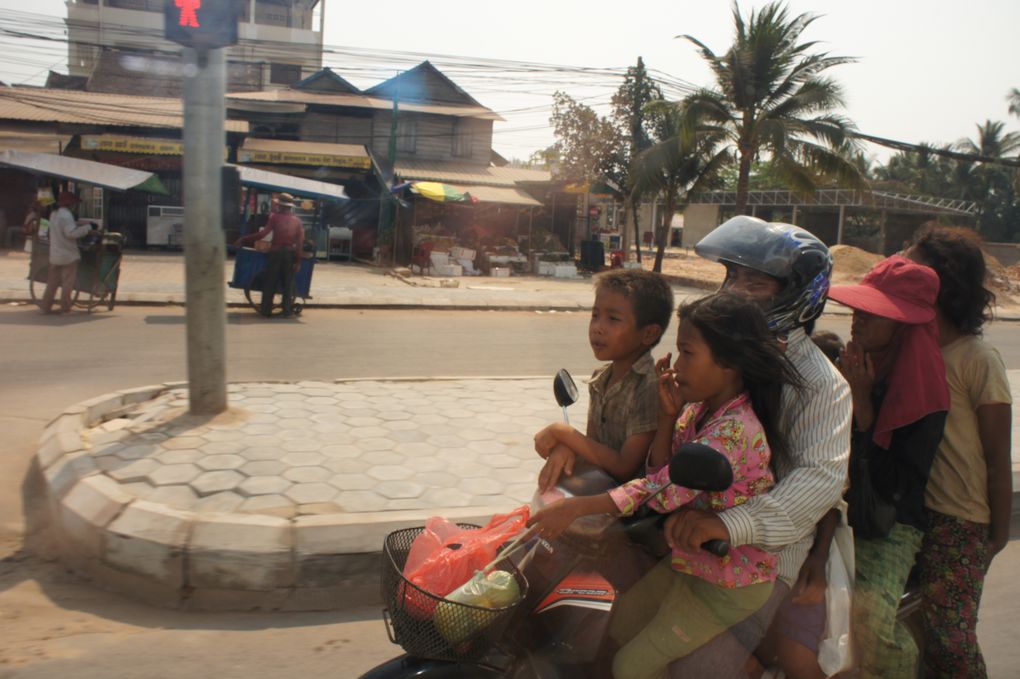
column 787, row 270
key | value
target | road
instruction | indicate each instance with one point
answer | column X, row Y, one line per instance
column 53, row 625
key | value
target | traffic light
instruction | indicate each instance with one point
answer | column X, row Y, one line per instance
column 201, row 23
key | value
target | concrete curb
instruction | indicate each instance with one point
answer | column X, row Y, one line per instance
column 205, row 560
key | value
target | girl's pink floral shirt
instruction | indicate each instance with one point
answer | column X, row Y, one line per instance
column 734, row 430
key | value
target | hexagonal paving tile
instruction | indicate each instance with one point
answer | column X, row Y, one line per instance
column 371, row 444
column 363, row 421
column 263, row 485
column 352, row 482
column 257, row 430
column 179, row 456
column 172, row 474
column 360, row 501
column 183, row 442
column 481, row 486
column 222, row 447
column 291, row 412
column 311, row 492
column 219, row 502
column 426, row 464
column 262, row 453
column 137, row 470
column 307, row 474
column 465, row 469
column 399, row 489
column 223, row 435
column 346, row 465
column 263, row 468
column 273, row 505
column 416, row 449
column 301, row 445
column 340, row 450
column 447, row 497
column 390, row 473
column 293, row 423
column 446, row 440
column 215, row 482
column 214, row 462
column 176, row 496
column 136, row 452
column 437, row 479
column 499, row 461
column 302, row 459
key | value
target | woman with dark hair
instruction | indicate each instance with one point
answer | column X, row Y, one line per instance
column 969, row 492
column 894, row 368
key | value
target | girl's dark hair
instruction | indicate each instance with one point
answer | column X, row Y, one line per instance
column 735, row 330
column 955, row 254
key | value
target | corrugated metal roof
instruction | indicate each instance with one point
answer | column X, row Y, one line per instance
column 252, row 176
column 95, row 108
column 362, row 101
column 465, row 173
column 500, row 194
column 89, row 171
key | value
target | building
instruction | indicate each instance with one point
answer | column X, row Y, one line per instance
column 118, row 46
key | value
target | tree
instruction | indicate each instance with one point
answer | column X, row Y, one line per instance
column 675, row 167
column 587, row 145
column 629, row 112
column 771, row 97
column 1013, row 97
column 993, row 185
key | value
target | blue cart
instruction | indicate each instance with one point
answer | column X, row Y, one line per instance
column 248, row 266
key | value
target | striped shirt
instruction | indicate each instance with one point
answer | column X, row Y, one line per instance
column 816, row 422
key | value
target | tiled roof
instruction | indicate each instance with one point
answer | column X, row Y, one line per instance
column 95, row 108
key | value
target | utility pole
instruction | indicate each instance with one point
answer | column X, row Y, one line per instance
column 204, row 32
column 386, row 199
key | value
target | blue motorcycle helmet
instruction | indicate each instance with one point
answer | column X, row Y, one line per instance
column 796, row 258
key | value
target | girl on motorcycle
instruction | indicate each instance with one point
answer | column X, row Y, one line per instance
column 724, row 391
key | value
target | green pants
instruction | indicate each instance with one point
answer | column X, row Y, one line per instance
column 885, row 648
column 667, row 615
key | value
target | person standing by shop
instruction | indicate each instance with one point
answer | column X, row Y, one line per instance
column 284, row 254
column 64, row 256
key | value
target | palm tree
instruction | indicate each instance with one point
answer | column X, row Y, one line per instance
column 771, row 97
column 991, row 185
column 1013, row 97
column 675, row 167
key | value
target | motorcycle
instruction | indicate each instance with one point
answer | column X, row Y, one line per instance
column 558, row 627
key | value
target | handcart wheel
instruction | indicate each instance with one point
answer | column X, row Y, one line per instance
column 91, row 300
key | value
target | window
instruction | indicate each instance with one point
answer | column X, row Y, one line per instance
column 462, row 138
column 284, row 74
column 407, row 133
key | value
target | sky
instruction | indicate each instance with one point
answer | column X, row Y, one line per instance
column 926, row 71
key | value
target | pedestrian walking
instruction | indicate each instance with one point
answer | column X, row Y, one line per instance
column 284, row 254
column 64, row 256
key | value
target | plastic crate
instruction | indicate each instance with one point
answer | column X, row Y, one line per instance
column 410, row 608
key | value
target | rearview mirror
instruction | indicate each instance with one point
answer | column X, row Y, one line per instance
column 700, row 467
column 564, row 388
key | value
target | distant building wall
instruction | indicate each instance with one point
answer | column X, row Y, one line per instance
column 699, row 220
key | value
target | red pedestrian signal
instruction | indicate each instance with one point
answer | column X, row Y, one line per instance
column 201, row 23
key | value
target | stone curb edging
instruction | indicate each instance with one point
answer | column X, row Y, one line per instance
column 202, row 560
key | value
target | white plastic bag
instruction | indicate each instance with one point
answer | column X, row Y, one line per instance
column 834, row 650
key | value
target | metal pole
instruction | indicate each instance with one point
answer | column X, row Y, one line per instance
column 204, row 240
column 842, row 222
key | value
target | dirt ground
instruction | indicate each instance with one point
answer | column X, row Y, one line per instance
column 849, row 266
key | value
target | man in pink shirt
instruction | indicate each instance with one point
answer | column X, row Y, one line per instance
column 284, row 254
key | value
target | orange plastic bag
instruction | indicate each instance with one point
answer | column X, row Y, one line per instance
column 445, row 556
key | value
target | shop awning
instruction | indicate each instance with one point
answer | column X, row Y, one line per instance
column 286, row 152
column 88, row 171
column 275, row 181
column 504, row 195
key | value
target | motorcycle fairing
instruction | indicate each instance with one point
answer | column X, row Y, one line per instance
column 584, row 589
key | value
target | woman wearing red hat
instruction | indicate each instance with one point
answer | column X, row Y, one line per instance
column 894, row 367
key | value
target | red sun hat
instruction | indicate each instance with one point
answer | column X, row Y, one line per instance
column 896, row 288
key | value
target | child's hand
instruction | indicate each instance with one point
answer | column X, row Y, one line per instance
column 560, row 461
column 670, row 400
column 547, row 439
column 555, row 518
column 857, row 368
column 811, row 583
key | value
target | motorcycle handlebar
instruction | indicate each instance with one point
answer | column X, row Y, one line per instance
column 717, row 547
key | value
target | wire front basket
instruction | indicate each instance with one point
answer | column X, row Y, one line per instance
column 429, row 626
